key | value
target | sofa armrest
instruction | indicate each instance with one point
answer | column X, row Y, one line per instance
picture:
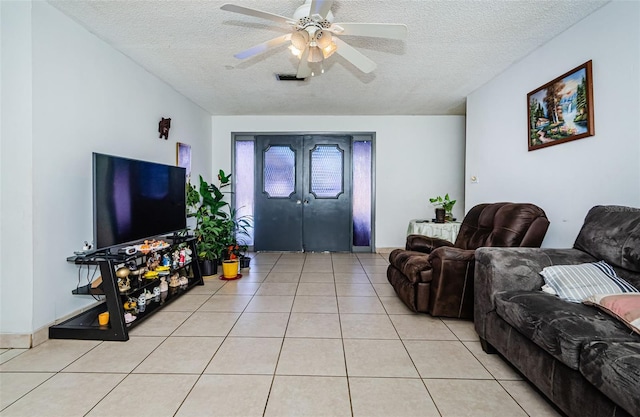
column 425, row 244
column 508, row 269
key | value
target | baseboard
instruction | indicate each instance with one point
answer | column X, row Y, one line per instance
column 25, row 341
column 15, row 341
column 385, row 251
column 39, row 336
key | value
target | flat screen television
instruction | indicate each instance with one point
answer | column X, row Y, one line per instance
column 135, row 200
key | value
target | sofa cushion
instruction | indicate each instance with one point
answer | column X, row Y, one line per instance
column 559, row 327
column 614, row 368
column 612, row 233
column 574, row 283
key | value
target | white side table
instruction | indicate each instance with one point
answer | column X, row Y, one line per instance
column 447, row 231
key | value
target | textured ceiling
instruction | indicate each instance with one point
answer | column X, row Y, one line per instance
column 452, row 48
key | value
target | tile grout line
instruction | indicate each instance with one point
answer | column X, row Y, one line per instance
column 29, row 391
column 275, row 368
column 344, row 350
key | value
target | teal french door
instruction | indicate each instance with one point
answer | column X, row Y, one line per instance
column 303, row 193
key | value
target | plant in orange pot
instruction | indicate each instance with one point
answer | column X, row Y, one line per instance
column 230, row 265
column 236, row 227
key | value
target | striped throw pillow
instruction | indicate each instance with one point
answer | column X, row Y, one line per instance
column 574, row 283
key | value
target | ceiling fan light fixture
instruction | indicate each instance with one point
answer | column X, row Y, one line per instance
column 323, row 39
column 329, row 50
column 295, row 51
column 315, row 54
column 300, row 39
column 314, row 37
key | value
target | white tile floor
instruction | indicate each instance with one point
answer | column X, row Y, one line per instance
column 298, row 335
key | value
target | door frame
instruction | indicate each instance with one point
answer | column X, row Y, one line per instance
column 357, row 136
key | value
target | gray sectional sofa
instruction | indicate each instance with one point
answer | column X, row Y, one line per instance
column 584, row 360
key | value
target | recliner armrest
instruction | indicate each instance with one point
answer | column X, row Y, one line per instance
column 451, row 254
column 451, row 282
column 446, row 261
column 425, row 244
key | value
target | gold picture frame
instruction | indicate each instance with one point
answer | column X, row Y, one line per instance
column 561, row 110
column 183, row 157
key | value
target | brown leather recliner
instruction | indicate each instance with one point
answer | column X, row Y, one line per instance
column 436, row 276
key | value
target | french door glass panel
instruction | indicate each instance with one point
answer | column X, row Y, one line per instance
column 327, row 171
column 244, row 184
column 279, row 176
column 362, row 190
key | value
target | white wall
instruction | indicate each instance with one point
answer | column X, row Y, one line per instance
column 417, row 157
column 87, row 97
column 16, row 173
column 566, row 180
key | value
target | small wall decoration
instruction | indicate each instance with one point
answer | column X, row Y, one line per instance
column 163, row 128
column 562, row 109
column 183, row 157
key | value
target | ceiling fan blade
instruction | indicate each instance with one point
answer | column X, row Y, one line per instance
column 263, row 47
column 256, row 13
column 352, row 55
column 304, row 70
column 373, row 30
column 320, row 7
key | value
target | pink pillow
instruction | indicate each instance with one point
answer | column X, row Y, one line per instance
column 624, row 307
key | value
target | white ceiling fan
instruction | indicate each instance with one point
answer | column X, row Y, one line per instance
column 313, row 37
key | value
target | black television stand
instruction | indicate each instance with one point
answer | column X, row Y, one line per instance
column 85, row 325
column 178, row 238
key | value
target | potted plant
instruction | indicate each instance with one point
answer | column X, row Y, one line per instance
column 237, row 227
column 230, row 265
column 444, row 207
column 245, row 261
column 237, row 252
column 217, row 225
column 207, row 206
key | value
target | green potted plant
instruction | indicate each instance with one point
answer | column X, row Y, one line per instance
column 207, row 206
column 245, row 261
column 444, row 207
column 217, row 225
column 232, row 236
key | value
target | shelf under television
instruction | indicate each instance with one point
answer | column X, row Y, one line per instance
column 85, row 324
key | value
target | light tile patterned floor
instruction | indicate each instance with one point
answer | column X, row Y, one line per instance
column 298, row 335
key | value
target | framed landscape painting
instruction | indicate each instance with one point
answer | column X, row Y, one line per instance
column 562, row 109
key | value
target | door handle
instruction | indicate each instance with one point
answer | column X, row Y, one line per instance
column 298, row 202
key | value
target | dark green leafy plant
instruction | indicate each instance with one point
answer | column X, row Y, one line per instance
column 217, row 225
column 446, row 203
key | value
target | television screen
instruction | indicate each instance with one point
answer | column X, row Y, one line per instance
column 134, row 200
